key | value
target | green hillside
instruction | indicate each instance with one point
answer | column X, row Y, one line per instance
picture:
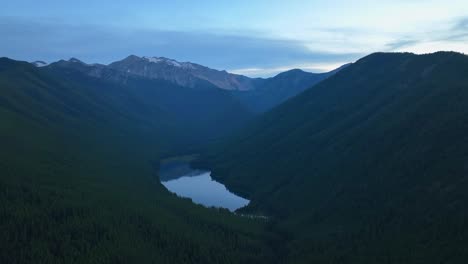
column 78, row 179
column 368, row 167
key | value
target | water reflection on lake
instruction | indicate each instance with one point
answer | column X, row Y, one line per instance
column 199, row 186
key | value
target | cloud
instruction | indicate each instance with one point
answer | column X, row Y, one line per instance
column 401, row 43
column 448, row 36
column 462, row 24
column 459, row 31
column 314, row 67
column 54, row 40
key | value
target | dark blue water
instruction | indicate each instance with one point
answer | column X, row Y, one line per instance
column 202, row 189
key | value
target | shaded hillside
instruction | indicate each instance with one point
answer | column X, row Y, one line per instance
column 192, row 116
column 78, row 179
column 369, row 166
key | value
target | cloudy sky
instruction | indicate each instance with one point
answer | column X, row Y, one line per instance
column 255, row 38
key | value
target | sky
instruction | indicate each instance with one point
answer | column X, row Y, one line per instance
column 254, row 38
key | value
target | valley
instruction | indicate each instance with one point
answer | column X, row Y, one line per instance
column 365, row 164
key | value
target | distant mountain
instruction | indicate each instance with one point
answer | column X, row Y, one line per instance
column 182, row 73
column 274, row 91
column 257, row 94
column 369, row 166
column 96, row 70
column 76, row 92
column 198, row 110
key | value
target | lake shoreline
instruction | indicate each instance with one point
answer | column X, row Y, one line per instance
column 179, row 177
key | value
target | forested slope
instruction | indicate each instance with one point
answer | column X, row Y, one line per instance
column 78, row 180
column 369, row 166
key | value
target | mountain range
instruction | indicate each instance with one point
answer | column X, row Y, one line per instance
column 79, row 160
column 257, row 94
column 81, row 145
column 365, row 164
column 183, row 73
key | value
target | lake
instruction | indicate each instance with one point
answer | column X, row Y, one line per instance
column 198, row 185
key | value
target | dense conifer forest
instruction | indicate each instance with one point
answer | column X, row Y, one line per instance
column 366, row 166
column 79, row 179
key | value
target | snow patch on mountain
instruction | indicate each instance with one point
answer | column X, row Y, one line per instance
column 74, row 60
column 153, row 59
column 171, row 62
